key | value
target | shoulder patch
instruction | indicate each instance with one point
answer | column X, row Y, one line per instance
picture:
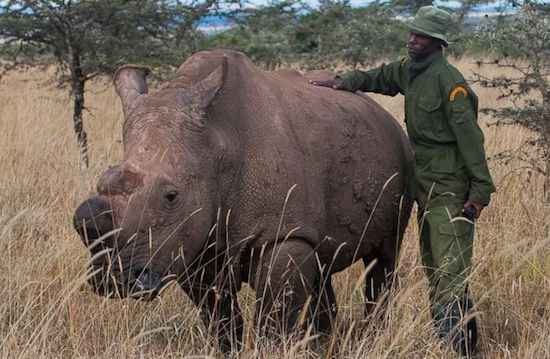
column 404, row 61
column 457, row 90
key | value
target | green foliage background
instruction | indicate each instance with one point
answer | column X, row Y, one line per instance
column 334, row 33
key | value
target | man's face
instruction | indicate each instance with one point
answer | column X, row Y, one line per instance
column 420, row 46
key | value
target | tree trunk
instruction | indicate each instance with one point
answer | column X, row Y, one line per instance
column 547, row 179
column 546, row 119
column 78, row 81
column 546, row 137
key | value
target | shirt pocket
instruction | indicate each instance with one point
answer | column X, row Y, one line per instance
column 430, row 114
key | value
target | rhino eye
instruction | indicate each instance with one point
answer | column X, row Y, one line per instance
column 171, row 196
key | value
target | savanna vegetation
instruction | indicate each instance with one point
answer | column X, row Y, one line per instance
column 48, row 310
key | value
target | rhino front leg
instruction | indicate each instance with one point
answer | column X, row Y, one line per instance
column 285, row 277
column 218, row 307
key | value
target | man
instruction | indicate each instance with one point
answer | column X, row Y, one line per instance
column 451, row 178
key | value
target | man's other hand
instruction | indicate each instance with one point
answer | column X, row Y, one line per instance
column 477, row 206
column 336, row 83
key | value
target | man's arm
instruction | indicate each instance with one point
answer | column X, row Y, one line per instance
column 469, row 137
column 388, row 79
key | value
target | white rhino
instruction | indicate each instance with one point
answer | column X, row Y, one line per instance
column 232, row 174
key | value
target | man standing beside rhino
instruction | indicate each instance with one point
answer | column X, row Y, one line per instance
column 451, row 176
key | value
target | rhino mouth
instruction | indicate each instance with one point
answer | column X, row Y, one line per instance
column 144, row 284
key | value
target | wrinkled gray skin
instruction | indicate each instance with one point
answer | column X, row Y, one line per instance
column 199, row 197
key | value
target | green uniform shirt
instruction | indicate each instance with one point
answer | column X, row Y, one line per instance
column 441, row 116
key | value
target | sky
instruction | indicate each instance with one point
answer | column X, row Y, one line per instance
column 358, row 3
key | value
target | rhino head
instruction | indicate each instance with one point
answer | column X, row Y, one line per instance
column 153, row 213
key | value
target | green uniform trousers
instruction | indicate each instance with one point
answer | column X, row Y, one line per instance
column 446, row 243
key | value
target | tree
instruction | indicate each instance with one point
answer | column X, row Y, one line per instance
column 335, row 32
column 522, row 42
column 87, row 38
column 338, row 32
column 264, row 33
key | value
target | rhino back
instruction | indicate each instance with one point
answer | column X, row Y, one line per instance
column 355, row 146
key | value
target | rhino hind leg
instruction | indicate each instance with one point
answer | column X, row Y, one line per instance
column 323, row 305
column 285, row 277
column 378, row 280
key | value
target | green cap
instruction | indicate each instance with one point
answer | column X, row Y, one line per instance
column 431, row 21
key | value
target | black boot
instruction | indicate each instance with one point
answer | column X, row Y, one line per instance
column 453, row 322
column 470, row 342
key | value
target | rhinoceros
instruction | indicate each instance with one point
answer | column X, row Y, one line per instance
column 231, row 174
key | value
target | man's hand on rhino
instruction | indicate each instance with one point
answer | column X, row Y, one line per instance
column 335, row 83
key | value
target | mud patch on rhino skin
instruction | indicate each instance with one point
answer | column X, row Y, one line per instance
column 348, row 223
column 346, row 159
column 349, row 132
column 344, row 179
column 358, row 190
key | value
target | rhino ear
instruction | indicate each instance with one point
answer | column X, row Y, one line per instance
column 204, row 93
column 130, row 83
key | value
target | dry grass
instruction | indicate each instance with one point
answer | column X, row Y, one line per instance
column 46, row 310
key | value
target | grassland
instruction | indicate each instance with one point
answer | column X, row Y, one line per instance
column 47, row 310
